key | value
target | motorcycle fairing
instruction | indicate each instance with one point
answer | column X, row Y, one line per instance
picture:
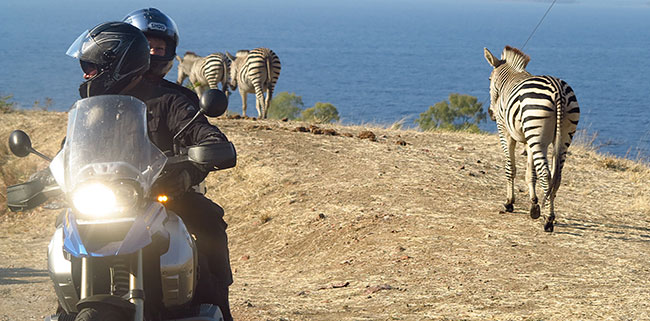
column 78, row 237
column 60, row 269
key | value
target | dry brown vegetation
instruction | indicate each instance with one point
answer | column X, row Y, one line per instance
column 325, row 225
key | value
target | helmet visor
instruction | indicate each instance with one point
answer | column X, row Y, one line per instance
column 85, row 47
column 76, row 47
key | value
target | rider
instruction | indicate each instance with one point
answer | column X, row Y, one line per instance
column 162, row 33
column 114, row 57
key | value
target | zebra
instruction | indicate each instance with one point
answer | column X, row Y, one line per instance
column 255, row 71
column 537, row 111
column 204, row 72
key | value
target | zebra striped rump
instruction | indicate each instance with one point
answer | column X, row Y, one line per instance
column 255, row 71
column 538, row 111
column 204, row 72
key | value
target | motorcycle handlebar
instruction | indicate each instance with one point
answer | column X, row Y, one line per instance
column 215, row 156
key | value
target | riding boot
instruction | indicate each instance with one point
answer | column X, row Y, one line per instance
column 221, row 298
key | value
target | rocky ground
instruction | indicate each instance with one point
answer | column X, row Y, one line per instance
column 364, row 223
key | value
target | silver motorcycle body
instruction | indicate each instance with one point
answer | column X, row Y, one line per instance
column 100, row 255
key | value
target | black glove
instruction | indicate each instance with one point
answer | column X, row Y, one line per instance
column 172, row 183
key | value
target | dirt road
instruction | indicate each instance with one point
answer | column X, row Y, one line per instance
column 407, row 226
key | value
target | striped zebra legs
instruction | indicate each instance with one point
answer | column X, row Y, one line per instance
column 259, row 101
column 533, row 171
column 544, row 178
column 508, row 144
column 244, row 105
column 531, row 179
column 269, row 97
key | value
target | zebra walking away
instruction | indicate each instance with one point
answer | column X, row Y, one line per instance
column 204, row 72
column 255, row 71
column 537, row 111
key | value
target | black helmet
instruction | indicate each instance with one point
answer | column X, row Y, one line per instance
column 117, row 50
column 157, row 24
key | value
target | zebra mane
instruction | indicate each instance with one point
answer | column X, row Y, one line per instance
column 191, row 53
column 515, row 57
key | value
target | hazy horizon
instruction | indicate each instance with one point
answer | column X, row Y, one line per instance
column 327, row 3
column 376, row 61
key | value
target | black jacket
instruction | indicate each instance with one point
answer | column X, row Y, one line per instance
column 168, row 111
column 190, row 94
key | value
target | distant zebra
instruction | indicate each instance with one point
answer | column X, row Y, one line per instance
column 537, row 111
column 255, row 71
column 204, row 72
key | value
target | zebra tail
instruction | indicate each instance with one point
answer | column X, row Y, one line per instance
column 269, row 75
column 558, row 149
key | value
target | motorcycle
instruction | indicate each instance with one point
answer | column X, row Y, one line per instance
column 117, row 253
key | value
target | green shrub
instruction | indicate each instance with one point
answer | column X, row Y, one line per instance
column 320, row 113
column 285, row 105
column 461, row 112
column 7, row 106
column 45, row 106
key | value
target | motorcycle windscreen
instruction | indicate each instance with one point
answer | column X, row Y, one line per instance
column 107, row 148
column 107, row 139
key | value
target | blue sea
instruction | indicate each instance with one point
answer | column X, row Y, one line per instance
column 378, row 62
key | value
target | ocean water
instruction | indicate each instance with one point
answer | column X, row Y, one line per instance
column 378, row 62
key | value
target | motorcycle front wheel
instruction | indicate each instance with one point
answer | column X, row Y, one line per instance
column 101, row 313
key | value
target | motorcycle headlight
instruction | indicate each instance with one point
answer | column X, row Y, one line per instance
column 98, row 200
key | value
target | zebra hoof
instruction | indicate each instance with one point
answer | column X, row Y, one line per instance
column 548, row 227
column 534, row 211
column 509, row 208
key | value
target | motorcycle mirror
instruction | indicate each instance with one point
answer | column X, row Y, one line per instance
column 213, row 103
column 21, row 145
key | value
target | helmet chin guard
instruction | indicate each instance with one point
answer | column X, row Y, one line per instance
column 159, row 68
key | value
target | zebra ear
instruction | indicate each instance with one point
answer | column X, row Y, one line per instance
column 494, row 61
column 179, row 59
column 231, row 57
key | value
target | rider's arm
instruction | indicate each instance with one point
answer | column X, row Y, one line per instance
column 200, row 131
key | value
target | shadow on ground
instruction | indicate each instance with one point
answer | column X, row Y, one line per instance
column 21, row 276
column 621, row 232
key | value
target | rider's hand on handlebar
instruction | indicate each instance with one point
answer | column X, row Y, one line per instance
column 172, row 183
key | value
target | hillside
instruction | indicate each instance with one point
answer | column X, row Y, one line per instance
column 403, row 227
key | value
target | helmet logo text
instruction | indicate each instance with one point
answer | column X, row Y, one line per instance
column 157, row 26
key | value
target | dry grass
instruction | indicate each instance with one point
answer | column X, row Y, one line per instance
column 12, row 170
column 334, row 227
column 46, row 129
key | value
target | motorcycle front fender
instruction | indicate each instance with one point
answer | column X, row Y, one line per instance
column 106, row 299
